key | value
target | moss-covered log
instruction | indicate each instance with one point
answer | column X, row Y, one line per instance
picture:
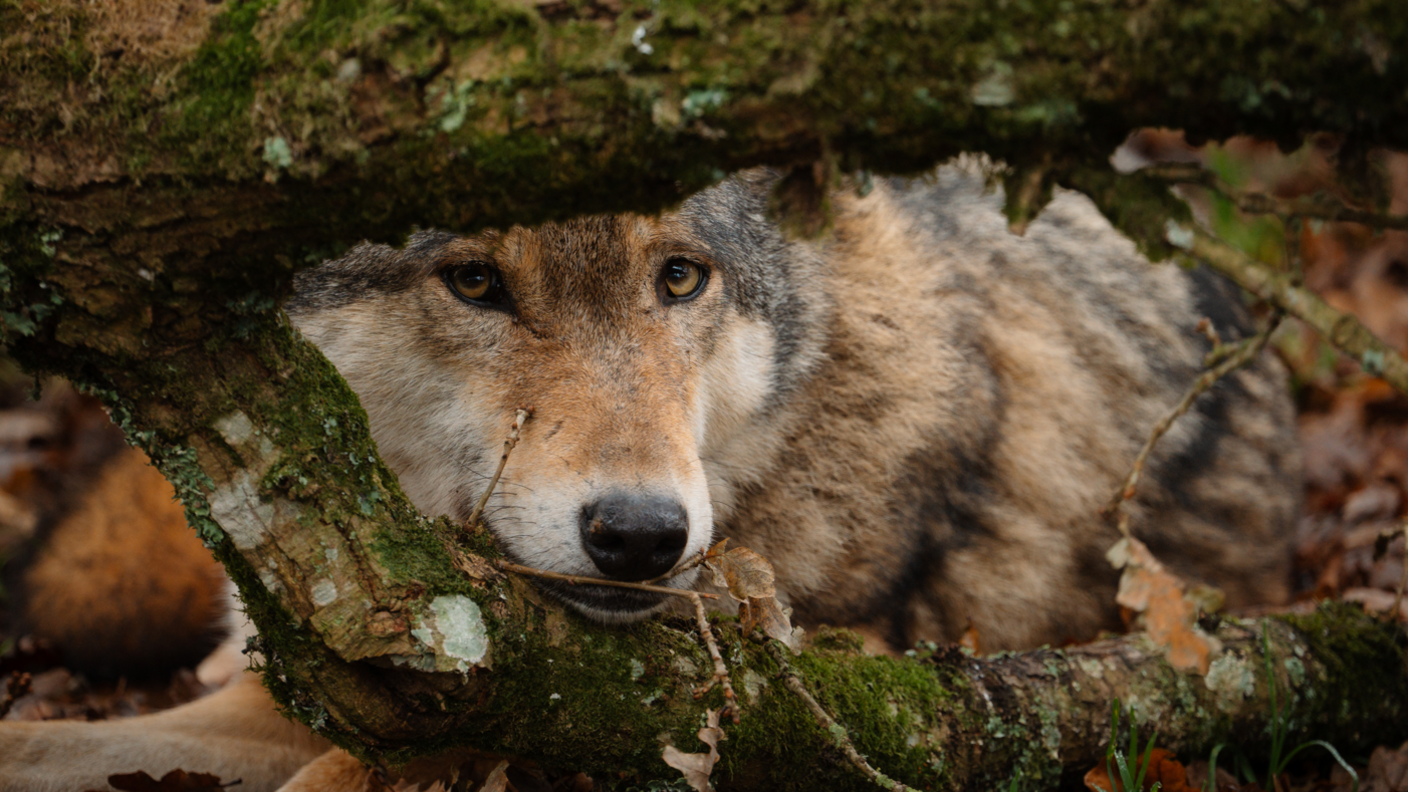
column 166, row 166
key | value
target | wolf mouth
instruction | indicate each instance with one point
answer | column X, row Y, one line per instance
column 605, row 602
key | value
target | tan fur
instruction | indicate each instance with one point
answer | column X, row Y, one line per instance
column 916, row 421
column 234, row 733
column 334, row 770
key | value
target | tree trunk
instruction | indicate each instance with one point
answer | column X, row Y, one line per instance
column 166, row 167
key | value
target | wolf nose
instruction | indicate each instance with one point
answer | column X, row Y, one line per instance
column 634, row 537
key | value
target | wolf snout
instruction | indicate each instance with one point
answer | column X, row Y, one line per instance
column 635, row 537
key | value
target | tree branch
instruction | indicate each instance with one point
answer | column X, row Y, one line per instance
column 1344, row 331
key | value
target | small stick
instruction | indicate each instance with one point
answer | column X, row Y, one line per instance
column 509, row 566
column 519, row 419
column 1244, row 352
column 720, row 670
column 682, row 568
column 1398, row 598
column 839, row 737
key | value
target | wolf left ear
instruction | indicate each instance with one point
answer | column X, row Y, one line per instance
column 799, row 200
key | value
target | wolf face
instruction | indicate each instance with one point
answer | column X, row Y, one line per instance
column 647, row 348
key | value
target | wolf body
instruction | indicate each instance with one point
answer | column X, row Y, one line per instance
column 917, row 420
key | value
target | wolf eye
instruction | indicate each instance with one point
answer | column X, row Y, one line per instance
column 475, row 282
column 683, row 278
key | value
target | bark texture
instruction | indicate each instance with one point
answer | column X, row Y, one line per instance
column 166, row 166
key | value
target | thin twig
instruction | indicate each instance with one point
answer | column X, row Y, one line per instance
column 835, row 731
column 720, row 670
column 1322, row 207
column 1242, row 353
column 1403, row 578
column 1342, row 330
column 519, row 419
column 682, row 568
column 509, row 566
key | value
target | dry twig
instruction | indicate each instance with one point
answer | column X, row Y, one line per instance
column 1403, row 578
column 520, row 418
column 509, row 566
column 720, row 670
column 1230, row 357
column 838, row 734
column 693, row 562
column 1345, row 332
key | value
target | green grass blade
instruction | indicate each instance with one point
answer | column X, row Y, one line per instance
column 1336, row 754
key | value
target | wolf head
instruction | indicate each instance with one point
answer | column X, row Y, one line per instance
column 651, row 350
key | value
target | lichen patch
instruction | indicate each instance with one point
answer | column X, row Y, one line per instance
column 455, row 633
column 323, row 593
column 1231, row 678
column 237, row 507
column 236, row 428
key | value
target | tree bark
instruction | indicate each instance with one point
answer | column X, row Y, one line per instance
column 159, row 190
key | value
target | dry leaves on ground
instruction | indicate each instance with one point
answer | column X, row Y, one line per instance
column 696, row 767
column 1169, row 615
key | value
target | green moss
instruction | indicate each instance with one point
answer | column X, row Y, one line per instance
column 1366, row 664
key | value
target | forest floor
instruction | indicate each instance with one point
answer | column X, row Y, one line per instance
column 1353, row 428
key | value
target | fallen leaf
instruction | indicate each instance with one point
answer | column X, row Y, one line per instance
column 1170, row 617
column 1388, row 770
column 744, row 573
column 174, row 781
column 497, row 780
column 768, row 615
column 696, row 767
column 751, row 581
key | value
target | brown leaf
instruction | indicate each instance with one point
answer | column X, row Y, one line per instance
column 696, row 767
column 174, row 781
column 1170, row 618
column 744, row 573
column 1388, row 770
column 497, row 780
column 767, row 614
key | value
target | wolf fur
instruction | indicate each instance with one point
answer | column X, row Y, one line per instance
column 916, row 420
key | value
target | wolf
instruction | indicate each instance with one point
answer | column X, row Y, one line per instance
column 916, row 419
